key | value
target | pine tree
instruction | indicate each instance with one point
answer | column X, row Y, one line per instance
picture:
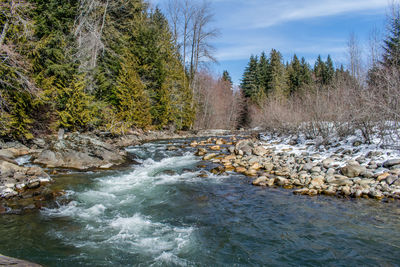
column 319, row 70
column 73, row 105
column 226, row 77
column 263, row 69
column 249, row 80
column 306, row 76
column 391, row 48
column 295, row 81
column 277, row 84
column 133, row 105
column 329, row 72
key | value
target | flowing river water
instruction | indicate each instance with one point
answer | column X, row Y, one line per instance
column 160, row 213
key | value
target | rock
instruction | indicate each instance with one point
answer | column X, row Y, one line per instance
column 376, row 194
column 8, row 261
column 251, row 172
column 259, row 151
column 240, row 169
column 210, row 156
column 330, row 191
column 302, row 191
column 3, row 158
column 81, row 152
column 215, row 148
column 260, row 181
column 315, row 169
column 383, row 176
column 353, row 170
column 5, row 153
column 255, row 166
column 391, row 162
column 230, row 157
column 346, row 190
column 268, row 166
column 194, row 144
column 281, row 181
column 41, row 143
column 327, row 163
column 244, row 147
column 220, row 142
column 308, row 166
column 201, row 152
column 341, row 181
column 317, row 181
column 33, row 184
column 391, row 179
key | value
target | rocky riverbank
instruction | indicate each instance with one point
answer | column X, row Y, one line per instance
column 27, row 170
column 306, row 173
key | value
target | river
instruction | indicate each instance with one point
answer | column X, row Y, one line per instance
column 159, row 212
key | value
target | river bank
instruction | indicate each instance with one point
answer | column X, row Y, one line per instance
column 335, row 171
column 27, row 170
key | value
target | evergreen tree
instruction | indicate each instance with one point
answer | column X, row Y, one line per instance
column 73, row 105
column 263, row 69
column 319, row 70
column 329, row 71
column 391, row 48
column 226, row 77
column 277, row 82
column 295, row 75
column 249, row 80
column 306, row 76
column 133, row 105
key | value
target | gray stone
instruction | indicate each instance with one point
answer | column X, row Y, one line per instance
column 353, row 170
column 391, row 162
column 308, row 166
column 259, row 151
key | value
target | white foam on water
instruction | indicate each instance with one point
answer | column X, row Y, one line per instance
column 103, row 213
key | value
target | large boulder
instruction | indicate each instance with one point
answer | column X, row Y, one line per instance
column 80, row 152
column 244, row 147
column 353, row 170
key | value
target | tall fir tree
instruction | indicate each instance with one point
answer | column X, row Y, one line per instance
column 277, row 82
column 391, row 47
column 249, row 79
column 133, row 105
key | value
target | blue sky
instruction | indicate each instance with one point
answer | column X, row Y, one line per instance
column 305, row 27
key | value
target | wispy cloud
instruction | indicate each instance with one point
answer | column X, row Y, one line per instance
column 263, row 14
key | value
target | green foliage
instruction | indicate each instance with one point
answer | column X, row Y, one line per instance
column 277, row 76
column 391, row 47
column 226, row 77
column 249, row 80
column 138, row 79
column 133, row 105
column 73, row 105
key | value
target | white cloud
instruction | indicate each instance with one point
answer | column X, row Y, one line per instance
column 263, row 14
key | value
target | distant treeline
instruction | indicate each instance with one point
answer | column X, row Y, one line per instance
column 270, row 77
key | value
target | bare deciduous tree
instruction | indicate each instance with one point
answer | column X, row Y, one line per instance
column 88, row 32
column 354, row 56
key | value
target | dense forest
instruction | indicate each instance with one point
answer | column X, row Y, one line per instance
column 89, row 64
